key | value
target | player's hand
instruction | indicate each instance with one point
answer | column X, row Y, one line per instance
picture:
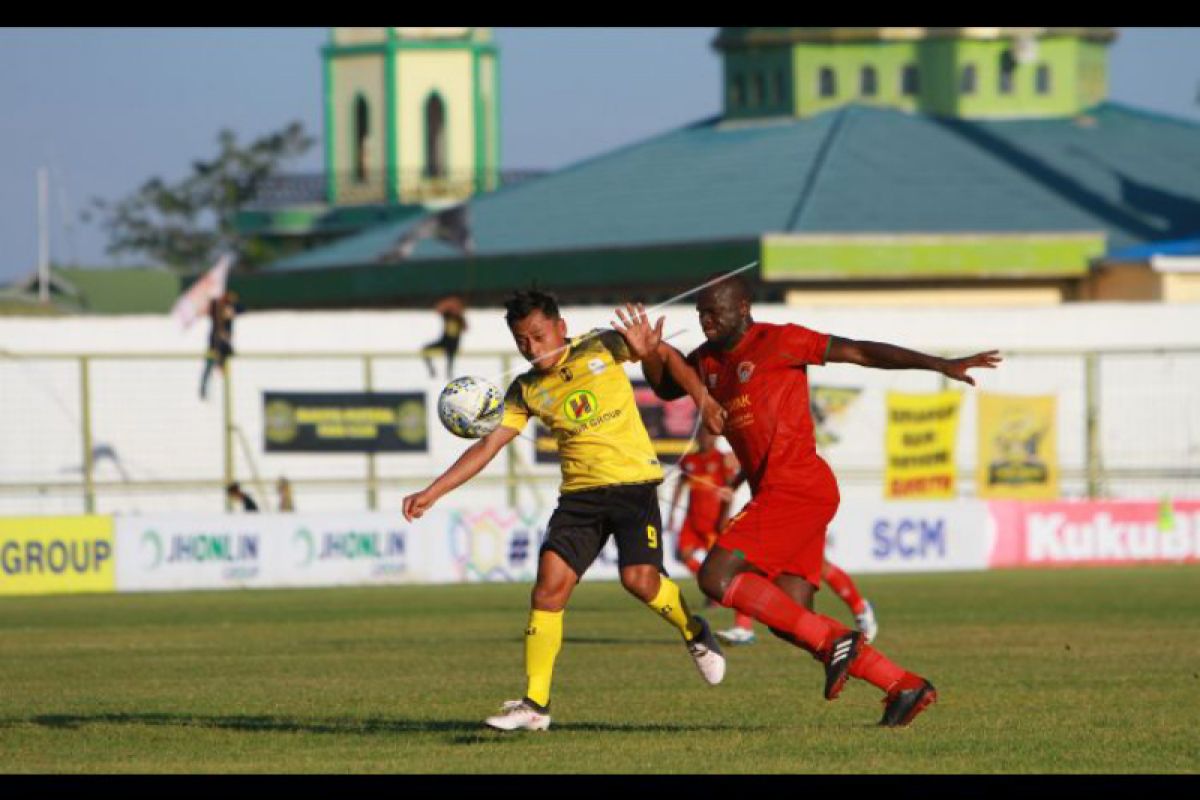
column 956, row 368
column 415, row 505
column 725, row 494
column 634, row 325
column 714, row 415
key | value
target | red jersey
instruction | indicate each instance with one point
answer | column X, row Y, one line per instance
column 706, row 474
column 763, row 386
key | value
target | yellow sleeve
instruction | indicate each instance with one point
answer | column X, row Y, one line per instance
column 615, row 344
column 516, row 413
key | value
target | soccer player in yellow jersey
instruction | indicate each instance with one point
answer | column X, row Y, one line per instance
column 579, row 390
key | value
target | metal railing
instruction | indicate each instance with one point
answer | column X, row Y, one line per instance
column 1170, row 378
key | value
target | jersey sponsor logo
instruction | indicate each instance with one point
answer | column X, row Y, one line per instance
column 596, row 365
column 580, row 406
column 745, row 370
column 566, row 374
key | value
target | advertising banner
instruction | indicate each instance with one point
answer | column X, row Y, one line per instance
column 669, row 423
column 828, row 405
column 447, row 545
column 1018, row 450
column 1093, row 533
column 56, row 555
column 341, row 422
column 909, row 537
column 919, row 443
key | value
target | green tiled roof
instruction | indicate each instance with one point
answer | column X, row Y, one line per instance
column 1130, row 174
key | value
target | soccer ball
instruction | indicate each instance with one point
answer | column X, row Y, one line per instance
column 470, row 407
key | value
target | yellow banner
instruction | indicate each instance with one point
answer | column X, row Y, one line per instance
column 1018, row 448
column 56, row 555
column 921, row 433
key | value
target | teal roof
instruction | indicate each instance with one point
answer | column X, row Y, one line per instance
column 1130, row 174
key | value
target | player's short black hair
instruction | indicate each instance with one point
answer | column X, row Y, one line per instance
column 525, row 302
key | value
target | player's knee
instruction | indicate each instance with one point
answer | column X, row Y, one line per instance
column 550, row 595
column 713, row 581
column 641, row 581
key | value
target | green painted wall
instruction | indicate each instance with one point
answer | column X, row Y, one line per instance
column 1078, row 76
column 886, row 257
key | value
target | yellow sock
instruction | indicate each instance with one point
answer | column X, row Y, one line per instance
column 543, row 640
column 670, row 605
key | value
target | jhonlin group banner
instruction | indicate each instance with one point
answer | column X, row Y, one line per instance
column 921, row 433
column 1018, row 451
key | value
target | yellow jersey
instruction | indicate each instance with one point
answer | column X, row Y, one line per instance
column 587, row 402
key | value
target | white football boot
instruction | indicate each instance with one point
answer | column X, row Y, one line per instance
column 707, row 654
column 519, row 715
column 866, row 622
column 736, row 635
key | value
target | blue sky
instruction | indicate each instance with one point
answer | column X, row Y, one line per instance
column 108, row 108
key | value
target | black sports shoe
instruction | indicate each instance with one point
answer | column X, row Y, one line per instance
column 900, row 708
column 837, row 666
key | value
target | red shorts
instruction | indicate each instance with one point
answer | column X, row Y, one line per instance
column 781, row 532
column 693, row 538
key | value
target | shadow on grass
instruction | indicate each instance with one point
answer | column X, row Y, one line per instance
column 466, row 731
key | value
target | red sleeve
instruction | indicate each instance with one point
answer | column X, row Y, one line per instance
column 804, row 345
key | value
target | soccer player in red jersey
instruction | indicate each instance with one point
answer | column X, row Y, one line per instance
column 768, row 561
column 832, row 575
column 706, row 473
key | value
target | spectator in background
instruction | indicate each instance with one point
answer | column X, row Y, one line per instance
column 284, row 487
column 235, row 493
column 454, row 322
column 221, row 311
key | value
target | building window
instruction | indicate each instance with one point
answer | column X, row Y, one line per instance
column 777, row 88
column 1042, row 79
column 362, row 128
column 759, row 95
column 868, row 82
column 1008, row 68
column 737, row 92
column 435, row 137
column 827, row 83
column 910, row 83
column 967, row 83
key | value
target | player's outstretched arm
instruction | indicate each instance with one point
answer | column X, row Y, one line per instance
column 468, row 465
column 665, row 368
column 888, row 356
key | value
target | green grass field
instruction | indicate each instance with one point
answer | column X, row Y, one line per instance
column 1038, row 671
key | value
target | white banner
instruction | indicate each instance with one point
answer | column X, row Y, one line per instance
column 224, row 551
column 910, row 537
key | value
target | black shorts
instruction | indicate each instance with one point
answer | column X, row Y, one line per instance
column 583, row 521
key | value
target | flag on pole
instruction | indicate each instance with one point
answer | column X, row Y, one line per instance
column 193, row 304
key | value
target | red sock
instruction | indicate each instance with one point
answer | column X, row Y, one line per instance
column 874, row 668
column 759, row 598
column 844, row 587
column 741, row 620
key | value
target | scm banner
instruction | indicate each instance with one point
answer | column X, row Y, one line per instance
column 921, row 433
column 56, row 555
column 1018, row 453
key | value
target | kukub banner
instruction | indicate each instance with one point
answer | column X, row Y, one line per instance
column 1018, row 451
column 921, row 432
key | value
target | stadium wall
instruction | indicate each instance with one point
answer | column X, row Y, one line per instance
column 173, row 552
column 148, row 424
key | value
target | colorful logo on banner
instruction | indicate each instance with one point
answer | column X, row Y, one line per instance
column 493, row 545
column 1093, row 533
column 921, row 434
column 828, row 405
column 56, row 555
column 1018, row 454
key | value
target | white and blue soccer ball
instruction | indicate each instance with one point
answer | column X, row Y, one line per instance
column 471, row 407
